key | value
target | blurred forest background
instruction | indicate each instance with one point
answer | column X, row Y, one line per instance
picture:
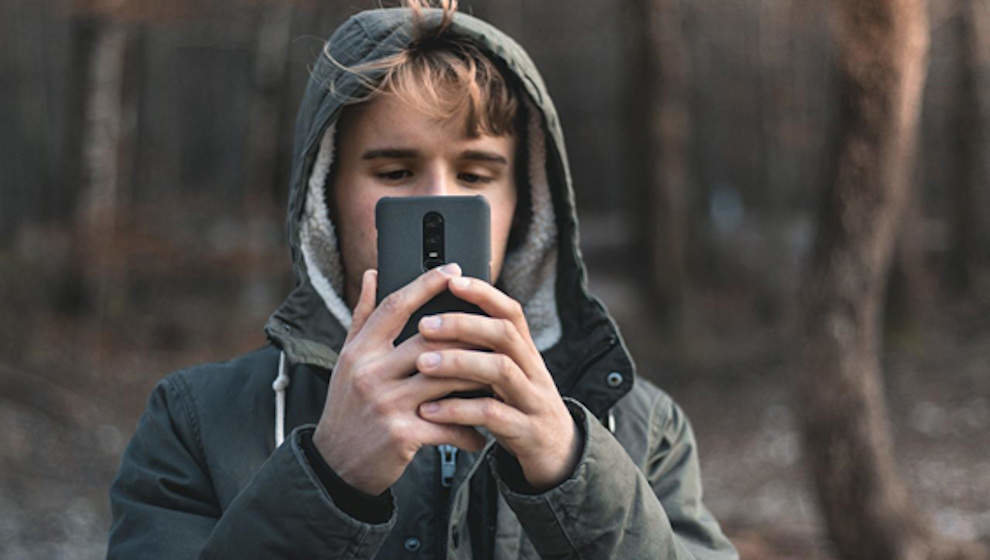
column 144, row 159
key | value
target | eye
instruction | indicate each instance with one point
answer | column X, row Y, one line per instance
column 473, row 178
column 394, row 175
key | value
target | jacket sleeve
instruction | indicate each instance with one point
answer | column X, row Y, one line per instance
column 611, row 509
column 164, row 505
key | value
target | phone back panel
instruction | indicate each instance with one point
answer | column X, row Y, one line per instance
column 466, row 241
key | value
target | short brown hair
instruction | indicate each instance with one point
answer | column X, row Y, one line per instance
column 444, row 75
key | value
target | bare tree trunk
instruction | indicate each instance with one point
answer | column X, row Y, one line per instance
column 910, row 284
column 270, row 67
column 882, row 62
column 108, row 119
column 663, row 106
column 103, row 128
column 967, row 168
column 772, row 107
column 83, row 31
column 979, row 15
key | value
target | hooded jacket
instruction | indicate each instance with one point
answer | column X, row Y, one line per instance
column 208, row 475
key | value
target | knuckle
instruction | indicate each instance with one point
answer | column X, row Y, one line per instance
column 455, row 359
column 505, row 366
column 344, row 362
column 489, row 409
column 364, row 385
column 515, row 308
column 397, row 433
column 381, row 405
column 394, row 302
column 509, row 331
column 407, row 453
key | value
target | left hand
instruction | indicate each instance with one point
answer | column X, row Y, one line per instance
column 527, row 416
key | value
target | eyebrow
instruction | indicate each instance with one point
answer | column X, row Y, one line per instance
column 479, row 155
column 401, row 153
column 390, row 153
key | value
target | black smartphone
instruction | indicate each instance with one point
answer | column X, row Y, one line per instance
column 417, row 233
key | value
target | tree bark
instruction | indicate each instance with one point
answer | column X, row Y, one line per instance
column 266, row 122
column 967, row 168
column 83, row 32
column 662, row 106
column 910, row 284
column 105, row 157
column 103, row 127
column 882, row 59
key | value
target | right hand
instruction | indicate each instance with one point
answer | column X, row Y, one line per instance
column 370, row 429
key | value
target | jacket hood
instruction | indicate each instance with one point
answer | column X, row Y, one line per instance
column 579, row 341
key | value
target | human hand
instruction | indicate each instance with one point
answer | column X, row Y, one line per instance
column 527, row 415
column 369, row 430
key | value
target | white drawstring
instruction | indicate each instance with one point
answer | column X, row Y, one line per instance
column 279, row 385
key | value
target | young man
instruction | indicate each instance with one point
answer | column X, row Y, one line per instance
column 576, row 460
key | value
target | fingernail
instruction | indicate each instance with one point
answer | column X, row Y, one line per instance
column 430, row 359
column 430, row 408
column 461, row 282
column 450, row 269
column 431, row 323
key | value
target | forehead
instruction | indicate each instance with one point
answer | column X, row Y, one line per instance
column 388, row 121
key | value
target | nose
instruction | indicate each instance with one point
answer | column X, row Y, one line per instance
column 437, row 181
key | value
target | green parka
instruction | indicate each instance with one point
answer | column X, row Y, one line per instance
column 206, row 474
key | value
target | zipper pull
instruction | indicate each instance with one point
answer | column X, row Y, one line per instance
column 448, row 464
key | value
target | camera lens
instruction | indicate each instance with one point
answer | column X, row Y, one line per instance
column 433, row 220
column 433, row 240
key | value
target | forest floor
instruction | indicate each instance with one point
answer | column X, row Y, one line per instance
column 77, row 364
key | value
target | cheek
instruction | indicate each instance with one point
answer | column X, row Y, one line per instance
column 356, row 229
column 503, row 207
column 501, row 224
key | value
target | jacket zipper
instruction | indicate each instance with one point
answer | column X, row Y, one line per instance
column 448, row 464
column 448, row 467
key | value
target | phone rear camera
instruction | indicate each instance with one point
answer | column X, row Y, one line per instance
column 433, row 240
column 433, row 220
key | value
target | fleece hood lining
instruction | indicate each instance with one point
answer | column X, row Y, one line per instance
column 529, row 272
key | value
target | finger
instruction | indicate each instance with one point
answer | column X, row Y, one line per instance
column 490, row 299
column 365, row 304
column 387, row 320
column 401, row 361
column 500, row 335
column 502, row 420
column 492, row 369
column 461, row 437
column 420, row 388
